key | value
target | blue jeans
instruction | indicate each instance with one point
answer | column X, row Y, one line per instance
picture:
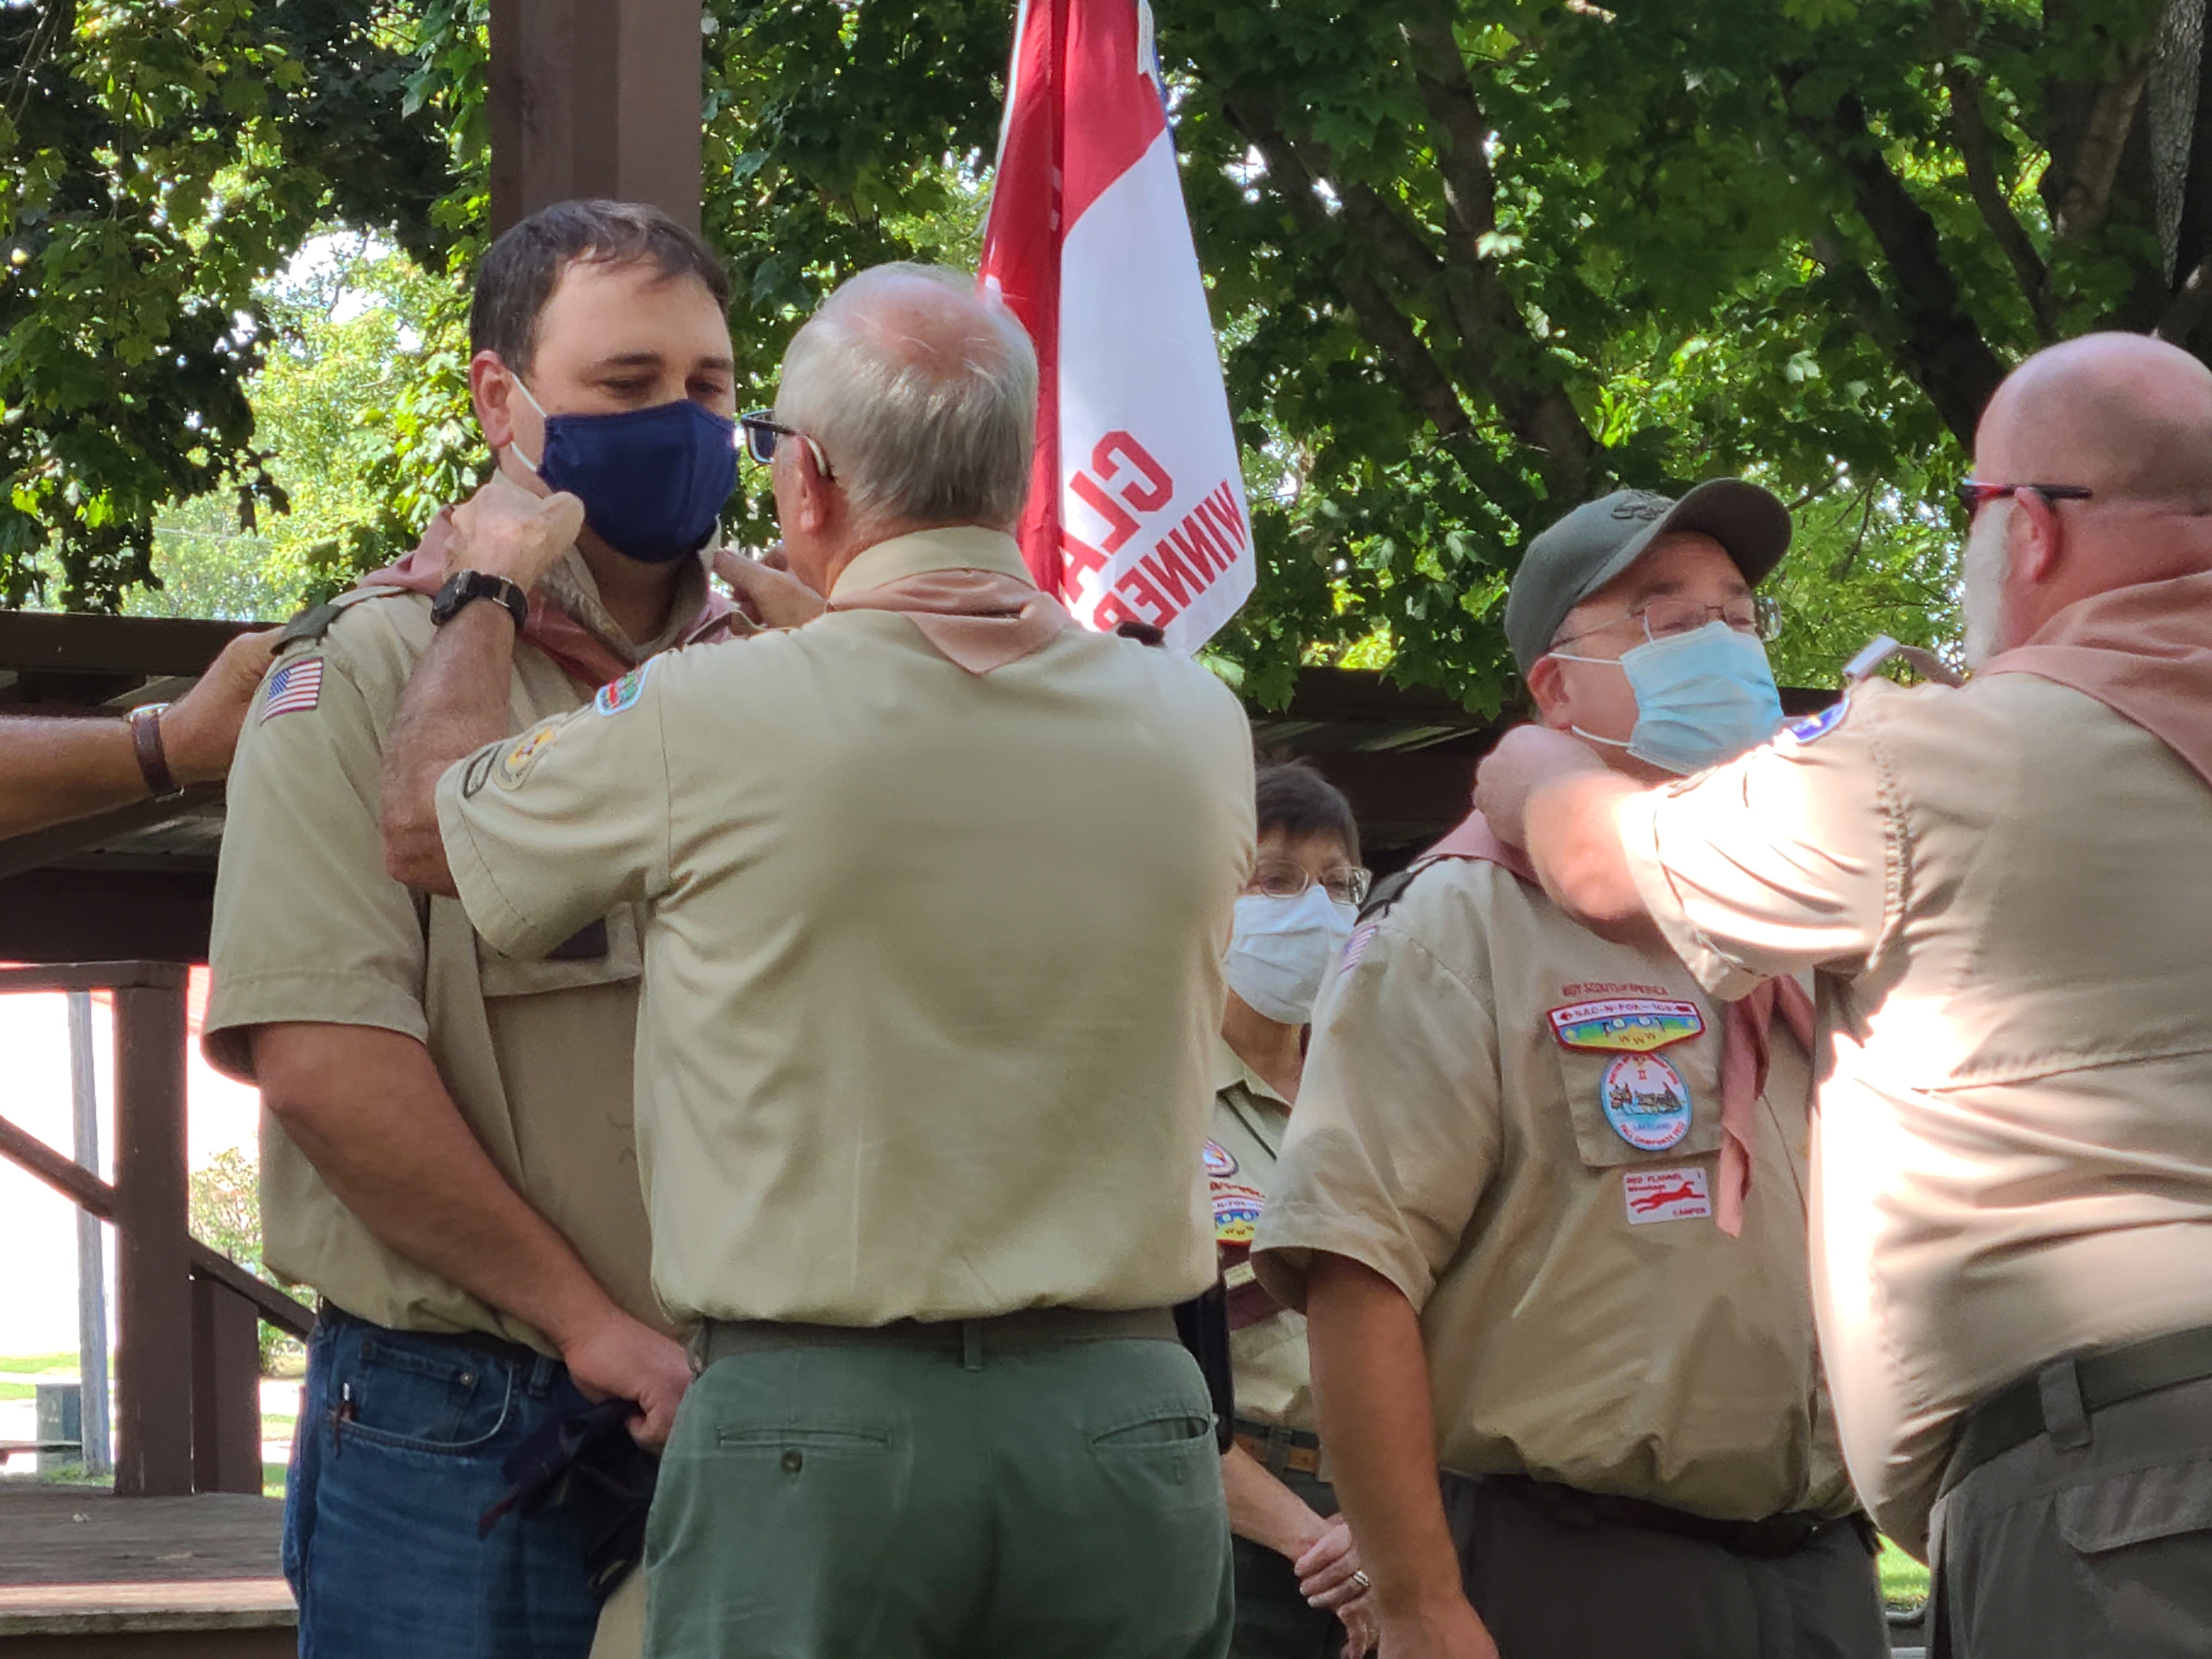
column 397, row 1451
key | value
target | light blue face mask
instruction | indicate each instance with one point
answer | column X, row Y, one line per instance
column 1701, row 698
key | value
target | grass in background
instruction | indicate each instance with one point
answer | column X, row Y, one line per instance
column 1904, row 1580
column 38, row 1364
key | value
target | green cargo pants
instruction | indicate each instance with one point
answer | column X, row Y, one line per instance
column 885, row 1501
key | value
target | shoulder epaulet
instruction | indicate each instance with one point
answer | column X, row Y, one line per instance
column 1388, row 890
column 316, row 620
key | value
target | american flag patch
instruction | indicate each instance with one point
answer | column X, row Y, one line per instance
column 1356, row 947
column 294, row 687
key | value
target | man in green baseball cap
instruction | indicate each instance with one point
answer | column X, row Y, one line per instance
column 1633, row 621
column 1542, row 1201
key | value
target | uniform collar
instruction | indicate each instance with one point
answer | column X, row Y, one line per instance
column 950, row 547
column 569, row 585
column 1231, row 1072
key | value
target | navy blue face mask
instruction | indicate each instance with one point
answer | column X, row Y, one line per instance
column 652, row 481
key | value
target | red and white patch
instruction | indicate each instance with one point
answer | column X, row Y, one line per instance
column 1356, row 947
column 294, row 687
column 1666, row 1195
column 1220, row 1161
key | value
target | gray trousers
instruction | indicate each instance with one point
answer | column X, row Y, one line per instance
column 1550, row 1591
column 2100, row 1546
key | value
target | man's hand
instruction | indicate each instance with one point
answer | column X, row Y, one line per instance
column 616, row 1358
column 1525, row 758
column 199, row 731
column 1448, row 1630
column 1329, row 1576
column 765, row 590
column 505, row 530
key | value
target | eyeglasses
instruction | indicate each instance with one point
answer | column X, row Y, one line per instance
column 762, row 429
column 1281, row 879
column 1973, row 493
column 1753, row 614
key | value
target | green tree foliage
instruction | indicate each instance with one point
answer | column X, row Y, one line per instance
column 156, row 163
column 1472, row 261
column 223, row 1197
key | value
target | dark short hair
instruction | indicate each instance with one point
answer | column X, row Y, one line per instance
column 1297, row 801
column 518, row 273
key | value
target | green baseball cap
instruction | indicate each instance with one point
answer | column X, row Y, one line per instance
column 1597, row 541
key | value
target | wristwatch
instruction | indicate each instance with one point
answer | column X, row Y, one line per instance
column 465, row 585
column 153, row 760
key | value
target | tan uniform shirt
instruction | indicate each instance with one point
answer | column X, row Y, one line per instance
column 535, row 1054
column 934, row 973
column 1586, row 1321
column 2009, row 887
column 1267, row 1340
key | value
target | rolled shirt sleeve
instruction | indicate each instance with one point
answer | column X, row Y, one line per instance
column 550, row 830
column 1397, row 1132
column 1786, row 859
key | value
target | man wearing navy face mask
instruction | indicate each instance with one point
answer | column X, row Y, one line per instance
column 1542, row 1203
column 448, row 1158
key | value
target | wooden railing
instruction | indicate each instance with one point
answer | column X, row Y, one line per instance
column 197, row 1428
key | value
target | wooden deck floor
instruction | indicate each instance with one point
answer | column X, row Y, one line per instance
column 90, row 1576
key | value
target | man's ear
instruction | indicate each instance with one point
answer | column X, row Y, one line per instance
column 2034, row 536
column 817, row 495
column 1546, row 679
column 491, row 389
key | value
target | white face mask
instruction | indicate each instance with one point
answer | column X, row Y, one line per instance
column 1986, row 568
column 1280, row 951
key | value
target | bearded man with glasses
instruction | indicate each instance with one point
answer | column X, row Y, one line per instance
column 1543, row 1200
column 2001, row 888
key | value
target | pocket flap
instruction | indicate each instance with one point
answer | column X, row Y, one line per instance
column 2116, row 1511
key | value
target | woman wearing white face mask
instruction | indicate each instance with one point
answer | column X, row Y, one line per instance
column 1300, row 1590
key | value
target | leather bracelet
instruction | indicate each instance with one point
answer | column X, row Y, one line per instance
column 153, row 759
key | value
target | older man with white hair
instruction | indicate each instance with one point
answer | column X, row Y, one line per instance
column 937, row 885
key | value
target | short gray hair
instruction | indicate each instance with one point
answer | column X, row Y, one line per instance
column 925, row 403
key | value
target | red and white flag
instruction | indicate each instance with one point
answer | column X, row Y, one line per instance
column 1137, row 510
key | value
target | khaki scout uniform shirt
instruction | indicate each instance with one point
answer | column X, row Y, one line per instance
column 309, row 928
column 933, row 973
column 2010, row 887
column 1267, row 1340
column 1586, row 1321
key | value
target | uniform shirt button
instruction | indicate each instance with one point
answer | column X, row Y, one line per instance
column 793, row 1461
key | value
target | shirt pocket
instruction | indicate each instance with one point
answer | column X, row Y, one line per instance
column 1665, row 1105
column 604, row 952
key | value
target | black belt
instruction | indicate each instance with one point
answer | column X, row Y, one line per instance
column 2016, row 1416
column 1029, row 1328
column 1766, row 1540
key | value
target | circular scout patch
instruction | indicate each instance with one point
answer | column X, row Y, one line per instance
column 1646, row 1102
column 1219, row 1160
column 1236, row 1213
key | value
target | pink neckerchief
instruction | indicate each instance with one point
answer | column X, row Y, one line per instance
column 980, row 619
column 1745, row 1028
column 2144, row 652
column 582, row 654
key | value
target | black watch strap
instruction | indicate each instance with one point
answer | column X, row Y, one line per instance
column 464, row 586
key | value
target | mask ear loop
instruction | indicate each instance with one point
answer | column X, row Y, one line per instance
column 542, row 416
column 1592, row 737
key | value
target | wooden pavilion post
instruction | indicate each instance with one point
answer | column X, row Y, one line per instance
column 595, row 98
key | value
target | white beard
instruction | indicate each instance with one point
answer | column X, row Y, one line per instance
column 1986, row 569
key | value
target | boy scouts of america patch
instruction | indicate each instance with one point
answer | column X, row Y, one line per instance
column 1634, row 1025
column 1236, row 1212
column 514, row 765
column 1219, row 1160
column 1804, row 729
column 625, row 692
column 294, row 687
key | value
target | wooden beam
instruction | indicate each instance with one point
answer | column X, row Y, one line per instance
column 44, row 846
column 66, row 915
column 95, row 976
column 595, row 98
column 226, row 1391
column 65, row 1175
column 32, row 642
column 286, row 1313
column 153, row 1262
